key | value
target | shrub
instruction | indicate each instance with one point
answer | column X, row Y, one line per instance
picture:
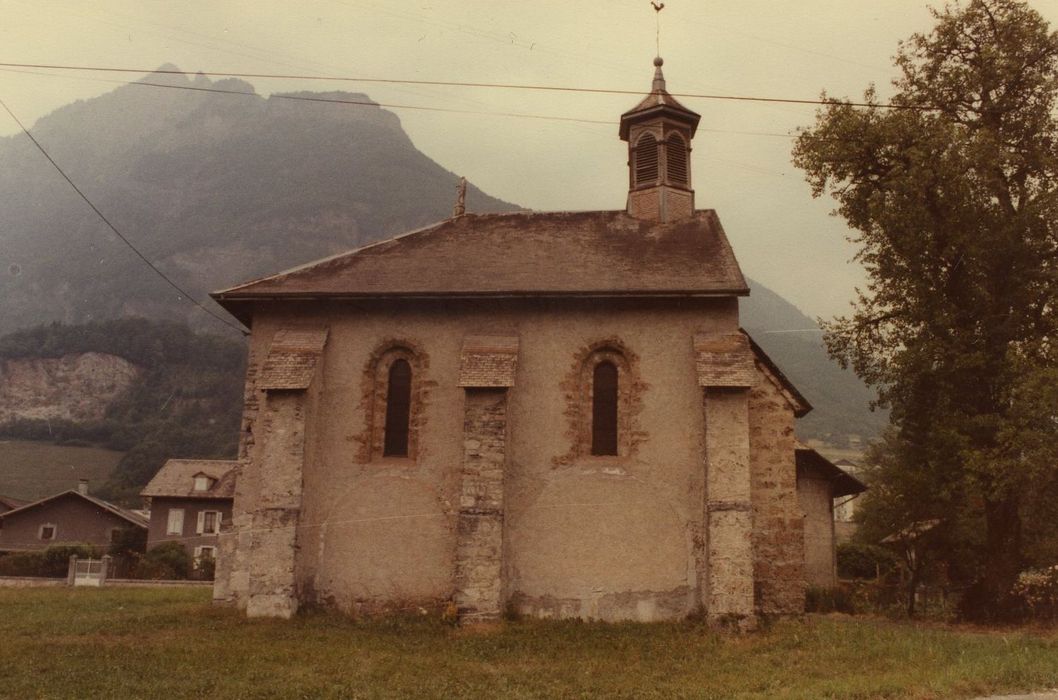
column 1036, row 593
column 53, row 562
column 823, row 600
column 168, row 560
column 865, row 561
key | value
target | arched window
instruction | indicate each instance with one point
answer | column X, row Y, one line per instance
column 646, row 157
column 398, row 410
column 604, row 409
column 676, row 160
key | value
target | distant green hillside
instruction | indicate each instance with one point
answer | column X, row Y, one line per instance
column 795, row 342
column 30, row 470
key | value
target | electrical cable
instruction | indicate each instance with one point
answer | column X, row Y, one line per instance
column 451, row 83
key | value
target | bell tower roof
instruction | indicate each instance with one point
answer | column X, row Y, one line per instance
column 657, row 104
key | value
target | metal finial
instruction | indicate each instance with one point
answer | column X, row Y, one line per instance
column 460, row 207
column 658, row 7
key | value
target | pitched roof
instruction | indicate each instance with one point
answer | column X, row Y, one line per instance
column 110, row 507
column 523, row 254
column 658, row 102
column 844, row 484
column 176, row 479
column 8, row 503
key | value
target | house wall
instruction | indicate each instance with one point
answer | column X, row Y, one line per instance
column 814, row 496
column 160, row 507
column 601, row 537
column 77, row 521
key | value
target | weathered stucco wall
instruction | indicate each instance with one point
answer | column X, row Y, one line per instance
column 600, row 537
column 814, row 496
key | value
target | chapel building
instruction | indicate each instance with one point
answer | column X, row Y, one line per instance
column 555, row 414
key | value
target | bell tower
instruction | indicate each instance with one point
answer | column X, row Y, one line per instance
column 659, row 131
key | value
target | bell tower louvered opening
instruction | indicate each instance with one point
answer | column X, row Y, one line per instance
column 676, row 168
column 646, row 161
column 659, row 131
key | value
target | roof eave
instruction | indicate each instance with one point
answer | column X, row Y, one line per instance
column 679, row 113
column 223, row 298
column 240, row 305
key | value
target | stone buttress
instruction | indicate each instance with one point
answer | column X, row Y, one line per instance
column 268, row 504
column 726, row 373
column 487, row 370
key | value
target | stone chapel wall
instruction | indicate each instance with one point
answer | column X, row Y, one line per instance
column 600, row 537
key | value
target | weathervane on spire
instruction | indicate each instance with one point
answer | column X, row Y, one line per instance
column 658, row 7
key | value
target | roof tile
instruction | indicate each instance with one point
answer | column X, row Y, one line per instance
column 724, row 360
column 488, row 361
column 292, row 358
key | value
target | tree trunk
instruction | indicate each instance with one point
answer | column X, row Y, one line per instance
column 912, row 591
column 989, row 598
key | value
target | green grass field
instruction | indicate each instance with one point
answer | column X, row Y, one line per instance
column 169, row 643
column 31, row 470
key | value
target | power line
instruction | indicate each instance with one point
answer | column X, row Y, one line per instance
column 392, row 105
column 304, row 98
column 453, row 83
column 113, row 228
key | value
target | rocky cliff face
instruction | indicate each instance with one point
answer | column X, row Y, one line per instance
column 73, row 387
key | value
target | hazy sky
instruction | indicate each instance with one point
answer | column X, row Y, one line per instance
column 770, row 48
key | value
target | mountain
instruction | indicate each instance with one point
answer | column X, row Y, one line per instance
column 213, row 188
column 795, row 342
column 220, row 188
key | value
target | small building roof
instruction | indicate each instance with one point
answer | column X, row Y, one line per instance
column 8, row 503
column 658, row 103
column 845, row 484
column 176, row 479
column 128, row 515
column 522, row 254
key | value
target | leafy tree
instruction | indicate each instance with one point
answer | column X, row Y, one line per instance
column 953, row 194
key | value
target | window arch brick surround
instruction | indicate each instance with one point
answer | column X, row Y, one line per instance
column 578, row 391
column 378, row 406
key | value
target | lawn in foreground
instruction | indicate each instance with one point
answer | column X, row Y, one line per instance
column 133, row 643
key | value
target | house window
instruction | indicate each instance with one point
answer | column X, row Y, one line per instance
column 676, row 160
column 205, row 553
column 203, row 483
column 175, row 526
column 398, row 410
column 208, row 522
column 115, row 534
column 646, row 160
column 47, row 532
column 604, row 409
